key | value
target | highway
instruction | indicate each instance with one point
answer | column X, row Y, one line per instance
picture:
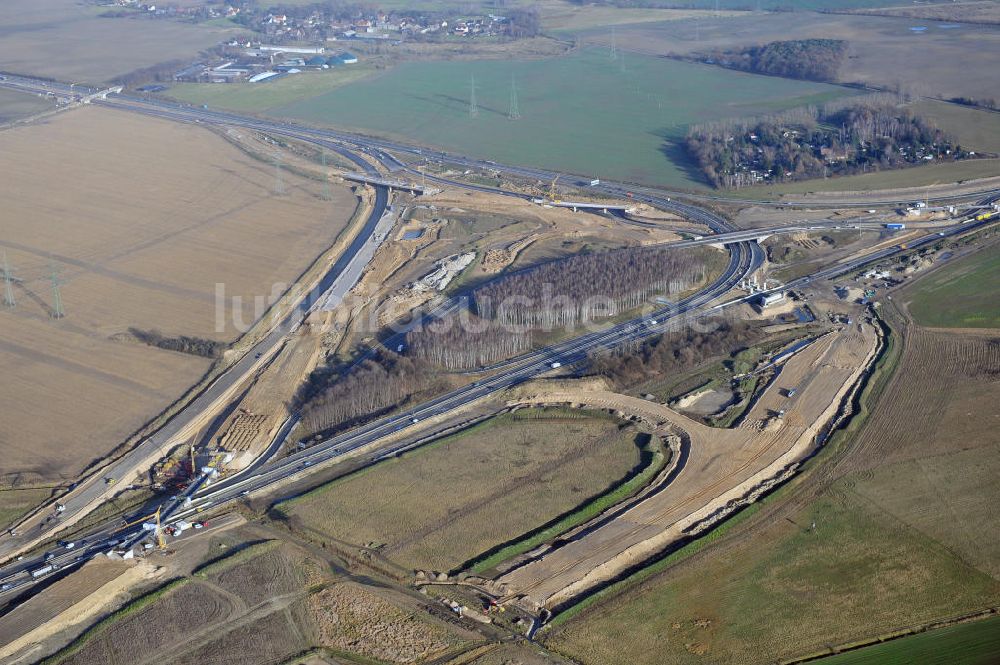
column 89, row 492
column 301, row 463
column 745, row 257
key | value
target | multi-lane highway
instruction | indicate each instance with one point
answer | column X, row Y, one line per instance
column 745, row 257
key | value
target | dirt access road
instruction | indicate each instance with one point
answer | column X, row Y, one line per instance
column 722, row 466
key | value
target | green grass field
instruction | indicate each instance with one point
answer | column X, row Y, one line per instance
column 582, row 113
column 859, row 573
column 256, row 97
column 444, row 504
column 976, row 643
column 961, row 295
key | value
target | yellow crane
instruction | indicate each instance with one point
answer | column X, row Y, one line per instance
column 552, row 189
column 158, row 533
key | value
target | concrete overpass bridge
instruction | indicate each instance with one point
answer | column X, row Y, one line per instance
column 398, row 185
column 576, row 206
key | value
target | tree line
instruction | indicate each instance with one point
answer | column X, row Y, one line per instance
column 808, row 59
column 633, row 364
column 843, row 138
column 195, row 346
column 465, row 341
column 333, row 401
column 586, row 287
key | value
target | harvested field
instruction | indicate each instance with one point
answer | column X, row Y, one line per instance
column 883, row 51
column 142, row 633
column 977, row 11
column 904, row 514
column 270, row 575
column 273, row 638
column 441, row 505
column 356, row 620
column 15, row 105
column 14, row 503
column 91, row 48
column 196, row 212
column 58, row 598
column 723, row 466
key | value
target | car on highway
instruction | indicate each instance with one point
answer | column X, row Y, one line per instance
column 414, row 420
column 555, row 365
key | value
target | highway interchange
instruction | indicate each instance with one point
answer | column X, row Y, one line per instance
column 745, row 256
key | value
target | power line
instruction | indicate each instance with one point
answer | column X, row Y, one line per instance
column 514, row 112
column 473, row 107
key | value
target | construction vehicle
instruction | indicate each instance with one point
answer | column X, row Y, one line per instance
column 110, row 481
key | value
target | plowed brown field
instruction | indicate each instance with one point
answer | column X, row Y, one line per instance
column 139, row 219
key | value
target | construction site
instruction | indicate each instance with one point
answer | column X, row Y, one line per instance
column 326, row 441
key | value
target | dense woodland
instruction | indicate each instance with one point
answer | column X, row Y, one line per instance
column 195, row 346
column 331, row 401
column 871, row 134
column 809, row 59
column 587, row 287
column 466, row 341
column 672, row 352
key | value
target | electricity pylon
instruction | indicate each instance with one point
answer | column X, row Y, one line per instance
column 473, row 107
column 57, row 307
column 514, row 112
column 8, row 284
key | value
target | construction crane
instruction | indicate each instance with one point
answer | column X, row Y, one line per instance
column 552, row 189
column 158, row 532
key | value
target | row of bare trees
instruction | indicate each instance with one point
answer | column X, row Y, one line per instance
column 635, row 363
column 465, row 341
column 368, row 390
column 587, row 287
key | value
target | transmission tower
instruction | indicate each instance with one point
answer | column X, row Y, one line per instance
column 8, row 284
column 514, row 112
column 614, row 45
column 473, row 107
column 279, row 184
column 57, row 307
